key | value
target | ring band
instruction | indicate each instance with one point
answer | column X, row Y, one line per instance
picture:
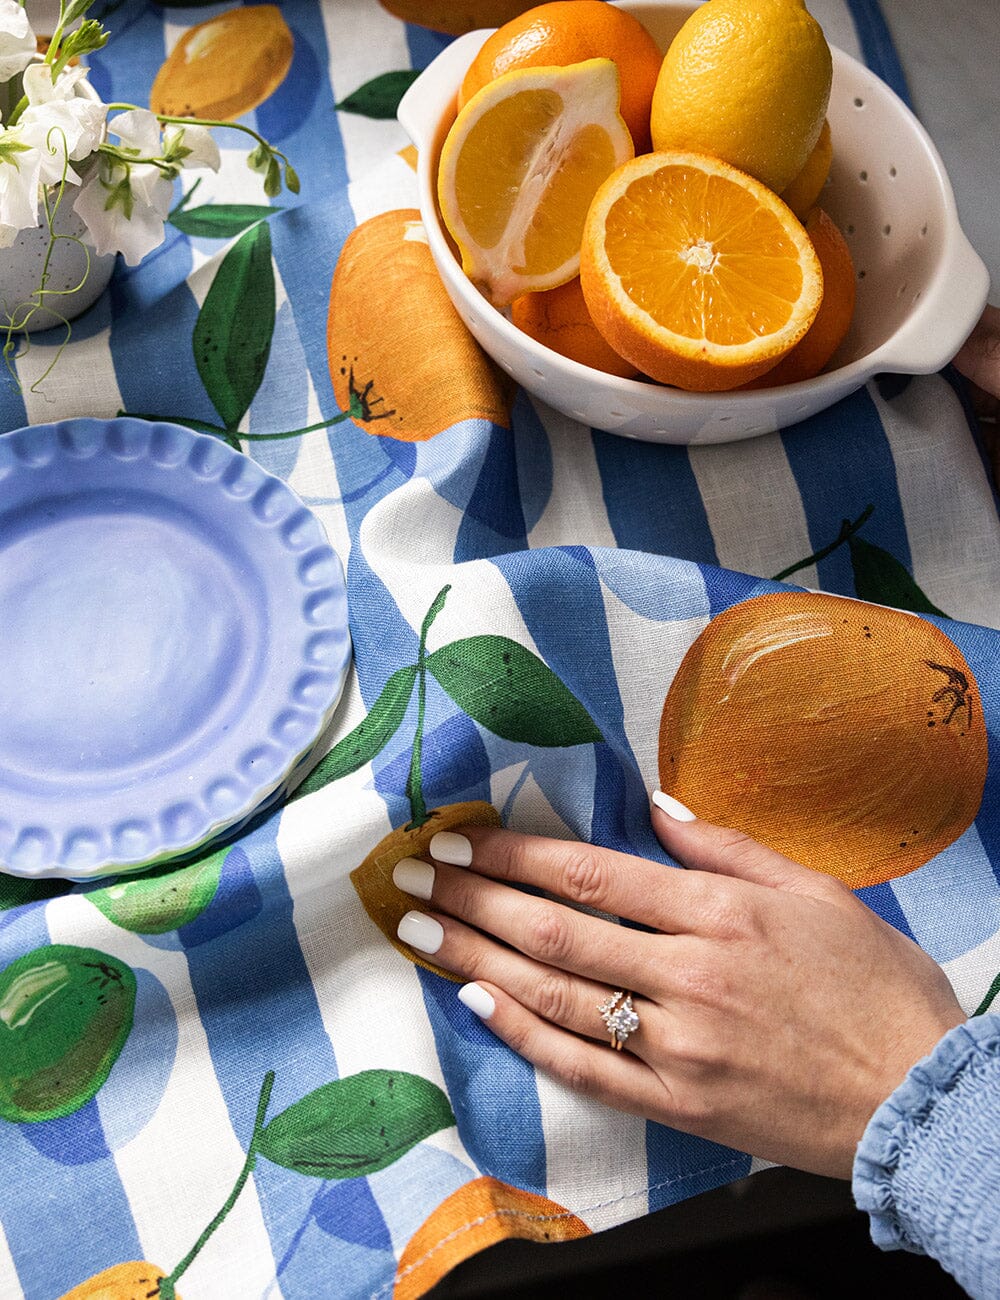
column 620, row 1017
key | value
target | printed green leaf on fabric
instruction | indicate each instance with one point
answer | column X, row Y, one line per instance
column 380, row 97
column 879, row 577
column 15, row 891
column 65, row 1013
column 357, row 1125
column 161, row 900
column 232, row 335
column 510, row 691
column 220, row 220
column 368, row 738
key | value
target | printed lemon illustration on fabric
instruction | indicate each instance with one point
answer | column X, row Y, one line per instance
column 392, row 329
column 348, row 1128
column 501, row 685
column 477, row 1215
column 226, row 66
column 65, row 1013
column 848, row 736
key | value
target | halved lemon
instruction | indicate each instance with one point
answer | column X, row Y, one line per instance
column 519, row 168
column 697, row 273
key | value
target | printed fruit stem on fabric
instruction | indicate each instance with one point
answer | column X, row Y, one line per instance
column 878, row 575
column 479, row 1214
column 847, row 736
column 345, row 1129
column 392, row 330
column 65, row 1013
column 234, row 328
column 498, row 683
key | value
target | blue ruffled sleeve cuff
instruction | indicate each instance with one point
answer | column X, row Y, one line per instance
column 927, row 1170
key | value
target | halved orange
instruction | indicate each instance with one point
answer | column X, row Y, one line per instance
column 519, row 168
column 696, row 272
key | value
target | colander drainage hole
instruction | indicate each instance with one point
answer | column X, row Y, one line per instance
column 540, row 373
column 923, row 232
column 724, row 418
column 850, row 229
column 862, row 274
column 863, row 176
column 579, row 415
column 887, row 230
column 618, row 415
column 892, row 172
column 858, row 102
column 901, row 290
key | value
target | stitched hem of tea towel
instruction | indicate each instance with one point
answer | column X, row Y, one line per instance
column 547, row 1218
column 927, row 1169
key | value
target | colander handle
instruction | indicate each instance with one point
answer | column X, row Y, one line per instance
column 423, row 106
column 943, row 320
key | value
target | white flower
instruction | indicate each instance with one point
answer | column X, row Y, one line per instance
column 20, row 166
column 124, row 205
column 81, row 118
column 17, row 40
column 192, row 146
column 124, row 208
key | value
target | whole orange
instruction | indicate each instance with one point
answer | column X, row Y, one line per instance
column 456, row 17
column 845, row 735
column 559, row 319
column 829, row 328
column 571, row 31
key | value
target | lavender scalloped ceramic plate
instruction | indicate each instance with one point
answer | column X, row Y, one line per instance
column 173, row 640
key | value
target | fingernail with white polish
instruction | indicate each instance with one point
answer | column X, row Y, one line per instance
column 672, row 807
column 414, row 877
column 421, row 932
column 475, row 997
column 448, row 846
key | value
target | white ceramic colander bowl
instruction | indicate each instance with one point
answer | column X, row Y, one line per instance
column 921, row 285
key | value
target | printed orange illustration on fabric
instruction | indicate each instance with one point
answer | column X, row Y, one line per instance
column 478, row 1215
column 392, row 326
column 848, row 736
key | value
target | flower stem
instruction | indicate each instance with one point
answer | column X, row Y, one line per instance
column 166, row 119
column 167, row 1284
column 414, row 782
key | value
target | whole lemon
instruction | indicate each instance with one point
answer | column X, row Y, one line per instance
column 747, row 81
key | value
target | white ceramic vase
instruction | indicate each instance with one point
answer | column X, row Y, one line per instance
column 76, row 275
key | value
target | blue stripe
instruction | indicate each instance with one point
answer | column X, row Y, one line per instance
column 876, row 44
column 492, row 1090
column 679, row 1165
column 882, row 901
column 259, row 1011
column 424, row 45
column 652, row 498
column 842, row 463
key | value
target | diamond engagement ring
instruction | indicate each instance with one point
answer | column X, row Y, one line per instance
column 620, row 1017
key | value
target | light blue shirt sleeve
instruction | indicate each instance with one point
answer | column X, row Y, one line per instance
column 927, row 1170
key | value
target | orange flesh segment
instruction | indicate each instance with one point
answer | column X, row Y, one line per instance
column 725, row 270
column 509, row 134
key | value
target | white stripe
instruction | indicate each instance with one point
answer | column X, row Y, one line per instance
column 575, row 513
column 972, row 974
column 646, row 656
column 82, row 382
column 10, row 1286
column 369, row 38
column 172, row 1206
column 948, row 506
column 415, row 563
column 753, row 507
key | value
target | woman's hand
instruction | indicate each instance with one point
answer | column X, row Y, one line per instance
column 776, row 1011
